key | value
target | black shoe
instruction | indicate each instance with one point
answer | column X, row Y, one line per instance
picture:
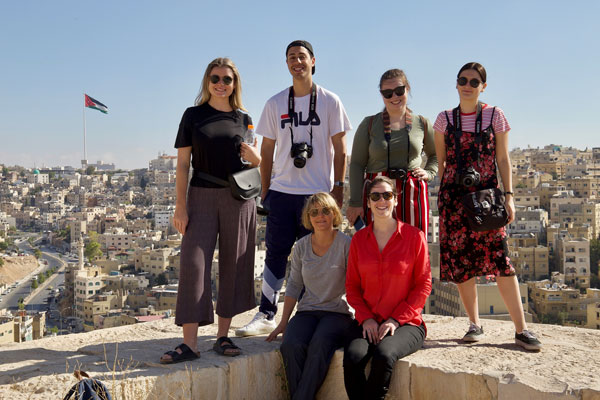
column 474, row 334
column 528, row 341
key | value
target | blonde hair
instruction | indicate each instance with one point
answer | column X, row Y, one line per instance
column 235, row 100
column 324, row 200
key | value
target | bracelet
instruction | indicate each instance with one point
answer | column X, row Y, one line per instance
column 339, row 183
column 508, row 192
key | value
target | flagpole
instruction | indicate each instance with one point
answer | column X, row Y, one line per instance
column 84, row 136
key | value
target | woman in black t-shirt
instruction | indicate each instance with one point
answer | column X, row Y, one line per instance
column 210, row 134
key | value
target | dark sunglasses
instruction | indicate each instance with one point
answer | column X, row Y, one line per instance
column 314, row 212
column 227, row 80
column 462, row 81
column 388, row 93
column 375, row 196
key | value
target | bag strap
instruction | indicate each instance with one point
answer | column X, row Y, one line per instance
column 71, row 391
column 212, row 179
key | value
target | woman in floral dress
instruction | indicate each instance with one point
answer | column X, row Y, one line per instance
column 465, row 254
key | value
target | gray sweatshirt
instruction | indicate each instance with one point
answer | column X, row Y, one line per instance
column 323, row 278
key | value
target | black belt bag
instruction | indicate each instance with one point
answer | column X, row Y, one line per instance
column 244, row 184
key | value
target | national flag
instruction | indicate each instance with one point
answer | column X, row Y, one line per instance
column 95, row 104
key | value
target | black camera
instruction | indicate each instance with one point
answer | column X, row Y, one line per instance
column 300, row 152
column 469, row 177
column 397, row 173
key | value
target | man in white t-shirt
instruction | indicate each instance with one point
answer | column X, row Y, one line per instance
column 307, row 124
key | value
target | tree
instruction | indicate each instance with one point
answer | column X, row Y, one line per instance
column 4, row 171
column 90, row 170
column 54, row 330
column 1, row 262
column 161, row 279
column 143, row 183
column 21, row 306
column 3, row 246
column 92, row 250
column 34, row 284
column 37, row 253
column 41, row 278
column 594, row 258
column 51, row 175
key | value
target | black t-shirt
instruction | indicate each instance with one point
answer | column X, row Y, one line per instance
column 215, row 137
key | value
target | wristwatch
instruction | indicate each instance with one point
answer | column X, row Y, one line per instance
column 339, row 183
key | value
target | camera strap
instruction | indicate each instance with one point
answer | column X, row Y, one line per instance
column 387, row 133
column 456, row 122
column 312, row 110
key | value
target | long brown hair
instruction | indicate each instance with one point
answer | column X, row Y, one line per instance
column 235, row 100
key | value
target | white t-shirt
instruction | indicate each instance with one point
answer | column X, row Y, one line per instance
column 317, row 174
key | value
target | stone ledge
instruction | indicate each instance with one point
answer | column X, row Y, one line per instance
column 126, row 359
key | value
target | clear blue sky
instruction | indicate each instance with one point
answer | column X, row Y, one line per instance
column 145, row 61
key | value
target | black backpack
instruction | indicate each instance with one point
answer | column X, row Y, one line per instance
column 88, row 389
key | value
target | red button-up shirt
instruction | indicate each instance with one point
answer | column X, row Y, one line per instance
column 392, row 283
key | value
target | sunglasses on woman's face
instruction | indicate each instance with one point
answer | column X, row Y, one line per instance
column 227, row 80
column 388, row 93
column 375, row 196
column 462, row 81
column 314, row 212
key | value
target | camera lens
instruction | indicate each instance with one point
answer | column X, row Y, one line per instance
column 299, row 161
column 300, row 152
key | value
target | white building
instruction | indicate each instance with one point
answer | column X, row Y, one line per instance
column 163, row 163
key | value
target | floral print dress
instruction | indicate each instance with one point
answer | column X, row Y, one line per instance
column 465, row 254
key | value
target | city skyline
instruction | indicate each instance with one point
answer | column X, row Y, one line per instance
column 146, row 65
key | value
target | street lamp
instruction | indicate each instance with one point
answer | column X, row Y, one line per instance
column 60, row 313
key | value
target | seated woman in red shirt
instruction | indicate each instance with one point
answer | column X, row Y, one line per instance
column 387, row 283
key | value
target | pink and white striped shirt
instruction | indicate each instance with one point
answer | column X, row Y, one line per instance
column 500, row 123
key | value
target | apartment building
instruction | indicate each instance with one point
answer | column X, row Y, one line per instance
column 153, row 261
column 531, row 263
column 126, row 283
column 528, row 198
column 99, row 304
column 593, row 315
column 163, row 217
column 579, row 211
column 529, row 220
column 554, row 298
column 117, row 239
column 163, row 163
column 88, row 282
column 586, row 187
column 574, row 261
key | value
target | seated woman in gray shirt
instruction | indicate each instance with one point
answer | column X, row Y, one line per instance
column 319, row 263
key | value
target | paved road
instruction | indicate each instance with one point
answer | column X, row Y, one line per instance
column 37, row 302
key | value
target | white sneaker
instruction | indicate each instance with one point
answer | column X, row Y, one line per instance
column 259, row 325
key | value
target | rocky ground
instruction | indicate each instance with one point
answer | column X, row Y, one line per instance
column 15, row 268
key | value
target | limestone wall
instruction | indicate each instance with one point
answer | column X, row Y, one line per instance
column 126, row 359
